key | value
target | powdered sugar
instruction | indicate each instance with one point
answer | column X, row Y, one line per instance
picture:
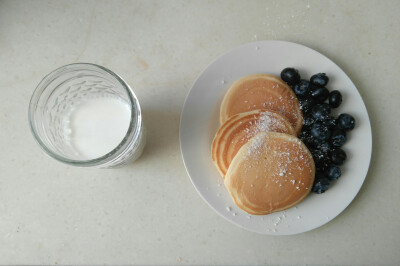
column 265, row 122
column 288, row 159
column 255, row 145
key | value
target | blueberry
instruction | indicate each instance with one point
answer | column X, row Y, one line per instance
column 290, row 76
column 318, row 156
column 346, row 122
column 330, row 122
column 319, row 80
column 303, row 134
column 325, row 147
column 308, row 140
column 338, row 137
column 319, row 174
column 321, row 112
column 335, row 99
column 320, row 185
column 321, row 160
column 306, row 105
column 319, row 94
column 308, row 121
column 302, row 88
column 338, row 156
column 333, row 172
column 320, row 132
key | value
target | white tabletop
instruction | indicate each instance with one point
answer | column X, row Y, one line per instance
column 148, row 212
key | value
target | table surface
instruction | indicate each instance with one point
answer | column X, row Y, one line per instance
column 148, row 212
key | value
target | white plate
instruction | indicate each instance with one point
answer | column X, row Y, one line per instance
column 200, row 121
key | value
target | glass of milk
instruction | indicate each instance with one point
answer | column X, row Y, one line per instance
column 86, row 115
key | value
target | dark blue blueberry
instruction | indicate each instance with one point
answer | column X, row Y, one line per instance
column 319, row 80
column 338, row 137
column 319, row 174
column 318, row 156
column 308, row 121
column 335, row 99
column 321, row 160
column 304, row 134
column 333, row 172
column 308, row 140
column 319, row 94
column 338, row 156
column 325, row 147
column 346, row 122
column 330, row 122
column 321, row 111
column 302, row 88
column 290, row 76
column 320, row 185
column 320, row 132
column 306, row 105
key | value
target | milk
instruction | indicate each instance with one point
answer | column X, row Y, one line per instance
column 98, row 125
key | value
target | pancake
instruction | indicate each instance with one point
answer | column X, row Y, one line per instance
column 271, row 172
column 239, row 128
column 262, row 91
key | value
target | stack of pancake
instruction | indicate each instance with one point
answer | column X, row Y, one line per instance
column 256, row 150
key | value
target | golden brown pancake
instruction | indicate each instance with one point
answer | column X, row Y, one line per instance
column 239, row 128
column 271, row 172
column 262, row 91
